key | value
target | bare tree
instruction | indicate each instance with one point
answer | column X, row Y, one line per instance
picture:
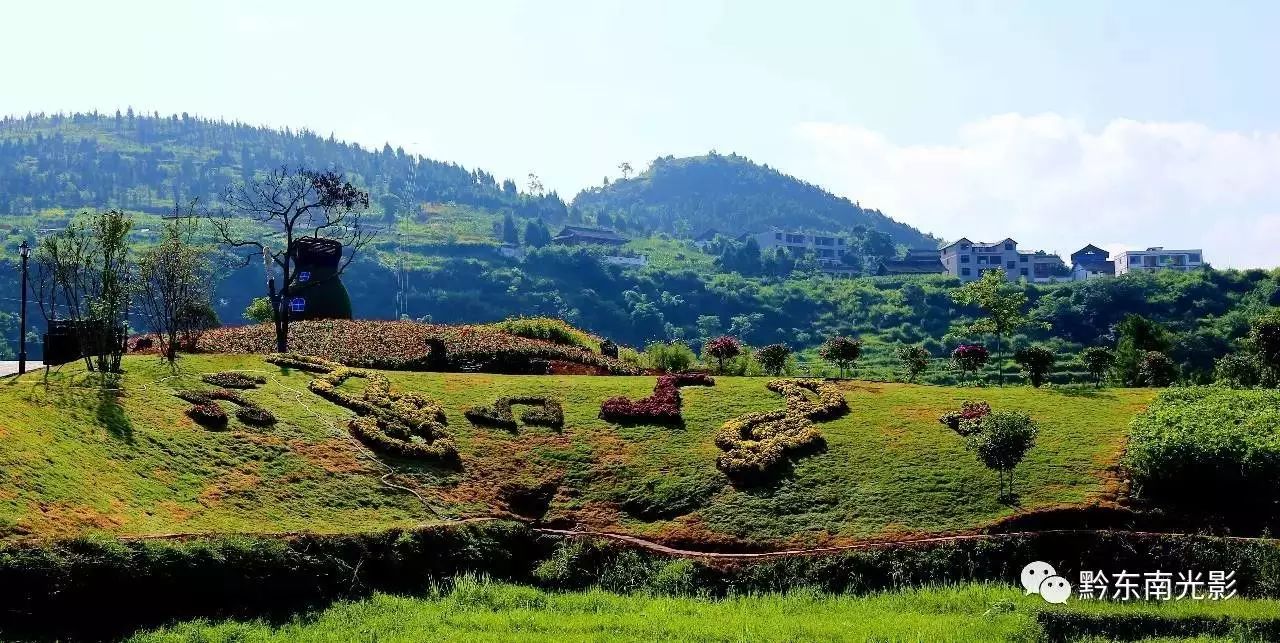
column 625, row 168
column 173, row 285
column 282, row 207
column 85, row 271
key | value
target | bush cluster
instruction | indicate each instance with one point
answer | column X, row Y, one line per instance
column 663, row 406
column 545, row 412
column 247, row 411
column 968, row 419
column 969, row 358
column 549, row 329
column 406, row 345
column 234, row 379
column 669, row 357
column 756, row 442
column 1208, row 446
column 406, row 424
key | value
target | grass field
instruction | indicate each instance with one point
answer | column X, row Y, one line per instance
column 481, row 611
column 77, row 460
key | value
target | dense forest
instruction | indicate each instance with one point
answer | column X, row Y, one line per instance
column 730, row 194
column 438, row 257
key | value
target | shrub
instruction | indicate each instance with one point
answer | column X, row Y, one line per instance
column 914, row 360
column 773, row 358
column 669, row 357
column 841, row 351
column 234, row 379
column 549, row 329
column 1098, row 361
column 1264, row 338
column 246, row 411
column 1156, row 369
column 1036, row 363
column 208, row 414
column 1208, row 446
column 546, row 412
column 663, row 406
column 969, row 358
column 722, row 348
column 968, row 419
column 757, row 442
column 1002, row 442
column 255, row 415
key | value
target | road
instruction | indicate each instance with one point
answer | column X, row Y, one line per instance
column 9, row 368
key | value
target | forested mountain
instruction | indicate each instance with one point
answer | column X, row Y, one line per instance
column 732, row 194
column 147, row 163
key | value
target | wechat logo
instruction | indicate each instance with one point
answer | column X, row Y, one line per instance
column 1041, row 578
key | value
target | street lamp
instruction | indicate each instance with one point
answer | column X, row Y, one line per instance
column 24, row 251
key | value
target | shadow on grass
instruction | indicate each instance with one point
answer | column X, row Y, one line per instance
column 111, row 416
column 765, row 483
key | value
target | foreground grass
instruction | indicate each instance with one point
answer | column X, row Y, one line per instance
column 77, row 459
column 481, row 611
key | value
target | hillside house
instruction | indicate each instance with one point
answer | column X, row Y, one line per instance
column 967, row 260
column 1091, row 262
column 1157, row 258
column 579, row 235
column 916, row 262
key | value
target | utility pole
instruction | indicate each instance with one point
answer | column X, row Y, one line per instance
column 25, row 251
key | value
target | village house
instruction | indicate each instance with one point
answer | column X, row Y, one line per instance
column 967, row 260
column 916, row 262
column 1091, row 262
column 1157, row 258
column 578, row 235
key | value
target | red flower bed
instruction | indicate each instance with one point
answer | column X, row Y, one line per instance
column 404, row 345
column 662, row 407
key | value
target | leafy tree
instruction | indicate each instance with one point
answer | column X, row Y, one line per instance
column 1264, row 337
column 85, row 271
column 536, row 234
column 288, row 205
column 969, row 358
column 773, row 358
column 1002, row 443
column 1137, row 336
column 723, row 348
column 390, row 204
column 1098, row 361
column 1156, row 369
column 670, row 357
column 509, row 234
column 1003, row 304
column 841, row 351
column 914, row 360
column 174, row 285
column 1238, row 370
column 1036, row 363
column 259, row 310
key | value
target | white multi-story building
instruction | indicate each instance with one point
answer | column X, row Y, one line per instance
column 1157, row 258
column 967, row 260
column 827, row 247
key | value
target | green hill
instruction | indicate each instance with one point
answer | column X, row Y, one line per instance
column 129, row 461
column 732, row 194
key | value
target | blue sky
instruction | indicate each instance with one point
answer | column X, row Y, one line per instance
column 1124, row 124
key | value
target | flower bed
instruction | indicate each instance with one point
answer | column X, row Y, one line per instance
column 663, row 406
column 546, row 412
column 234, row 379
column 405, row 345
column 246, row 410
column 967, row 420
column 407, row 424
column 208, row 414
column 756, row 442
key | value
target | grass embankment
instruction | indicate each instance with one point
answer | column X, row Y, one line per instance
column 131, row 463
column 476, row 611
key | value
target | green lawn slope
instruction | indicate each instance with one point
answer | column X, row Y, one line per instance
column 77, row 459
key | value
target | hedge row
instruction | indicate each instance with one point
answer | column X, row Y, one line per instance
column 756, row 442
column 234, row 379
column 546, row 412
column 100, row 589
column 661, row 407
column 403, row 424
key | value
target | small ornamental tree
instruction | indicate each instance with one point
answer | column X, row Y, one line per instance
column 1036, row 363
column 722, row 348
column 1097, row 360
column 914, row 360
column 773, row 358
column 1156, row 369
column 969, row 358
column 841, row 351
column 1002, row 443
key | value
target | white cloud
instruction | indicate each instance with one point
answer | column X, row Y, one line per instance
column 1051, row 183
